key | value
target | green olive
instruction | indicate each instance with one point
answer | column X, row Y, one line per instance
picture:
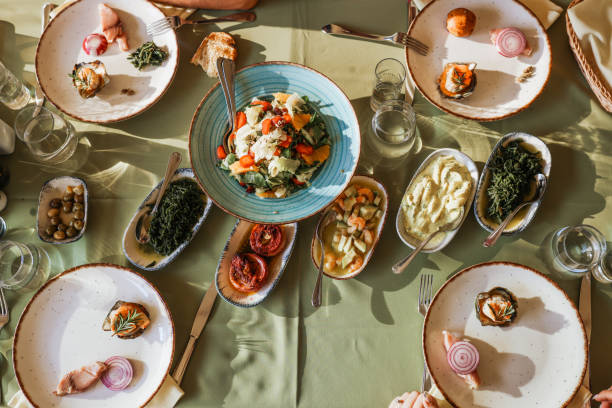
column 62, row 227
column 50, row 230
column 55, row 203
column 79, row 198
column 59, row 235
column 78, row 190
column 77, row 207
column 78, row 224
column 53, row 212
column 67, row 206
column 71, row 232
column 79, row 215
column 55, row 220
column 68, row 196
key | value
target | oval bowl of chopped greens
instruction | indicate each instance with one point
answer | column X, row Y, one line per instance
column 508, row 180
column 294, row 150
column 180, row 215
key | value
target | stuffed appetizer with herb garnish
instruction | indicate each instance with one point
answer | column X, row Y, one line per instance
column 89, row 78
column 497, row 307
column 277, row 145
column 127, row 320
column 512, row 177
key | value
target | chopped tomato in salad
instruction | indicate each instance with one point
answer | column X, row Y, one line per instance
column 278, row 144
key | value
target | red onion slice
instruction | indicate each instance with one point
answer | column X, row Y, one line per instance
column 510, row 42
column 118, row 374
column 463, row 357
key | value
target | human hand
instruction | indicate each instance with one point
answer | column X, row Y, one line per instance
column 414, row 400
column 605, row 397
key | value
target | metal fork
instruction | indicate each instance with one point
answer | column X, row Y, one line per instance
column 398, row 38
column 173, row 22
column 425, row 296
column 4, row 311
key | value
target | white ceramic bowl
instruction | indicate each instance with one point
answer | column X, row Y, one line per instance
column 497, row 95
column 60, row 330
column 59, row 49
column 537, row 361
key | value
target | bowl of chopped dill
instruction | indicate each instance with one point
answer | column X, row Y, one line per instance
column 180, row 215
column 509, row 179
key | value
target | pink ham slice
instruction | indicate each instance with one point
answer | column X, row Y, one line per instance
column 111, row 26
column 472, row 379
column 79, row 380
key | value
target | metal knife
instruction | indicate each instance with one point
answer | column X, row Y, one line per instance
column 198, row 325
column 584, row 307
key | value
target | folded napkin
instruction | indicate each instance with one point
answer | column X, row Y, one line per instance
column 577, row 402
column 167, row 396
column 592, row 23
column 546, row 11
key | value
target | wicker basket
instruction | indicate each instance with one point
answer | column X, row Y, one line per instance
column 590, row 72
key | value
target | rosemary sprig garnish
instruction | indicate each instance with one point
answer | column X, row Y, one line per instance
column 508, row 310
column 77, row 81
column 127, row 323
column 459, row 78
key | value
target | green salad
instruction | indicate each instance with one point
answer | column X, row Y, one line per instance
column 278, row 144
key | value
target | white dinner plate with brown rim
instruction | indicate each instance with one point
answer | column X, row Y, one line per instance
column 60, row 48
column 539, row 360
column 60, row 330
column 497, row 95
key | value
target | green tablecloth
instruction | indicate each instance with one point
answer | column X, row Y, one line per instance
column 362, row 347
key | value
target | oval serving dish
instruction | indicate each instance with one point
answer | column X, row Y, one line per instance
column 55, row 188
column 524, row 216
column 239, row 242
column 462, row 158
column 142, row 255
column 315, row 247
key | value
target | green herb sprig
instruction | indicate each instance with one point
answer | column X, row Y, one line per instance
column 147, row 54
column 126, row 324
column 512, row 170
column 178, row 212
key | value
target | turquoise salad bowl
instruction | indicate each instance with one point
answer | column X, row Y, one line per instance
column 210, row 122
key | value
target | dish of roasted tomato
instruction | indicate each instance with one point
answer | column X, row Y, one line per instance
column 249, row 270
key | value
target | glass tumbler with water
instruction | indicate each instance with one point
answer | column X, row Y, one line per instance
column 394, row 128
column 23, row 267
column 390, row 77
column 576, row 250
column 13, row 93
column 49, row 137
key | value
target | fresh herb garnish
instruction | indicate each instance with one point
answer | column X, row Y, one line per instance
column 126, row 324
column 179, row 210
column 512, row 170
column 147, row 54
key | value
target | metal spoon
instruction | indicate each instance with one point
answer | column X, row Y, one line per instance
column 401, row 265
column 327, row 218
column 494, row 236
column 226, row 70
column 144, row 222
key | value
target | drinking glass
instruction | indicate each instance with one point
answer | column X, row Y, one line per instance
column 49, row 137
column 23, row 267
column 393, row 128
column 576, row 250
column 603, row 271
column 13, row 93
column 390, row 76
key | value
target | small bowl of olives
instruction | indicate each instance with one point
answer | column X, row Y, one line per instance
column 62, row 210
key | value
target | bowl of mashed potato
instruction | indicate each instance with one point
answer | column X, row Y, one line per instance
column 440, row 192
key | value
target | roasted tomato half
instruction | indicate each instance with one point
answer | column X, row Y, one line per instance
column 248, row 272
column 266, row 240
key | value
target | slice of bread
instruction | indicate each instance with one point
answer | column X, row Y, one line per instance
column 215, row 45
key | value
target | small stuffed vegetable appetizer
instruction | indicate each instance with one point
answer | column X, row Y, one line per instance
column 277, row 145
column 497, row 307
column 457, row 80
column 127, row 320
column 266, row 239
column 248, row 272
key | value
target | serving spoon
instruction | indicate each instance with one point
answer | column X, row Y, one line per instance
column 540, row 188
column 401, row 265
column 227, row 70
column 144, row 221
column 327, row 218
